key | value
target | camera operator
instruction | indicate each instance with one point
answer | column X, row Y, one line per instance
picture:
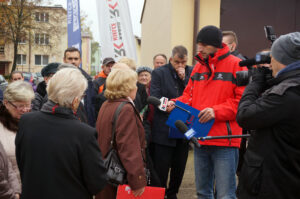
column 272, row 161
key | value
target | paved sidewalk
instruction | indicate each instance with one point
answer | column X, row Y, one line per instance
column 187, row 189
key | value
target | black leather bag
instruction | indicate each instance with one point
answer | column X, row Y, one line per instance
column 115, row 170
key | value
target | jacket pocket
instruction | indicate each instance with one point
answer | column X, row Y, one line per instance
column 251, row 175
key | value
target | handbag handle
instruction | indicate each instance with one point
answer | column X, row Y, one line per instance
column 116, row 114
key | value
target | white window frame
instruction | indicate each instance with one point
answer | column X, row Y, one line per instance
column 43, row 60
column 22, row 40
column 22, row 59
column 41, row 16
column 41, row 39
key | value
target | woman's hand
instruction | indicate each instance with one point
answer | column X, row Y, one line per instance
column 138, row 192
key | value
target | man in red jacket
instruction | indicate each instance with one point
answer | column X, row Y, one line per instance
column 212, row 89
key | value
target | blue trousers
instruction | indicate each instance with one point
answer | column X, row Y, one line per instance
column 215, row 164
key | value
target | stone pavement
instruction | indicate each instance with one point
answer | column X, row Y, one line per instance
column 187, row 189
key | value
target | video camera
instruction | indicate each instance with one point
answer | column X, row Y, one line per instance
column 244, row 77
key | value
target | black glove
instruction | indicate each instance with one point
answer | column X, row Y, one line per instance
column 260, row 77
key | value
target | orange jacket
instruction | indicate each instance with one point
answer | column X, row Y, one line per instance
column 99, row 84
column 213, row 85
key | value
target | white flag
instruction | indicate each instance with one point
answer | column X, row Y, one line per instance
column 115, row 28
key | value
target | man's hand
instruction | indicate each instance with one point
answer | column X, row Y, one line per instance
column 138, row 192
column 170, row 106
column 181, row 72
column 206, row 114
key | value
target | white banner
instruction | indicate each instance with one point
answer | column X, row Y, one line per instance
column 115, row 28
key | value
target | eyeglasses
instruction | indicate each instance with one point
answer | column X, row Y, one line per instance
column 24, row 107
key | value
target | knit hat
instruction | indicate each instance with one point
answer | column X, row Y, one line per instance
column 49, row 69
column 286, row 49
column 143, row 69
column 210, row 35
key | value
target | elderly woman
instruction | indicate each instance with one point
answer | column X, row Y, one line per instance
column 16, row 102
column 58, row 155
column 144, row 77
column 129, row 133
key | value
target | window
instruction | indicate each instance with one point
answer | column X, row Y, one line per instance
column 21, row 59
column 41, row 59
column 42, row 17
column 22, row 40
column 41, row 39
column 1, row 49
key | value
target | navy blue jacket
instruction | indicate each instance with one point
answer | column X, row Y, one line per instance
column 89, row 99
column 1, row 95
column 165, row 83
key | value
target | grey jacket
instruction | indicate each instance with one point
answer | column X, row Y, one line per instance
column 9, row 183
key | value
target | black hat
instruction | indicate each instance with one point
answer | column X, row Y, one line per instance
column 49, row 69
column 210, row 35
column 108, row 60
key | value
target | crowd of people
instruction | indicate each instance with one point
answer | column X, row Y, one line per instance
column 54, row 141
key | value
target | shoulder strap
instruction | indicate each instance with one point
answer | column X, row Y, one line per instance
column 116, row 114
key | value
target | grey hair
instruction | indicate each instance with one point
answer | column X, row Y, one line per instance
column 65, row 85
column 18, row 91
column 66, row 65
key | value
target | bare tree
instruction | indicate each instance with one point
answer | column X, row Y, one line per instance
column 16, row 20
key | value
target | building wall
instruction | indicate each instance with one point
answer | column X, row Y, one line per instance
column 209, row 13
column 182, row 26
column 86, row 53
column 168, row 23
column 283, row 15
column 156, row 30
column 138, row 51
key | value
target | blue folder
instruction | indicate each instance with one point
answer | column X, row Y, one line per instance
column 189, row 116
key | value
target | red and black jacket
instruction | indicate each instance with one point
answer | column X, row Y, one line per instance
column 213, row 84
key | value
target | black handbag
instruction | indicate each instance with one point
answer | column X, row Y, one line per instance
column 115, row 170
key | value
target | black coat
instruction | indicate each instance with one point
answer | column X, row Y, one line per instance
column 39, row 101
column 165, row 83
column 58, row 156
column 271, row 168
column 140, row 100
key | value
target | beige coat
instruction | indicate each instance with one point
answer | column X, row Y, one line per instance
column 9, row 184
column 7, row 139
